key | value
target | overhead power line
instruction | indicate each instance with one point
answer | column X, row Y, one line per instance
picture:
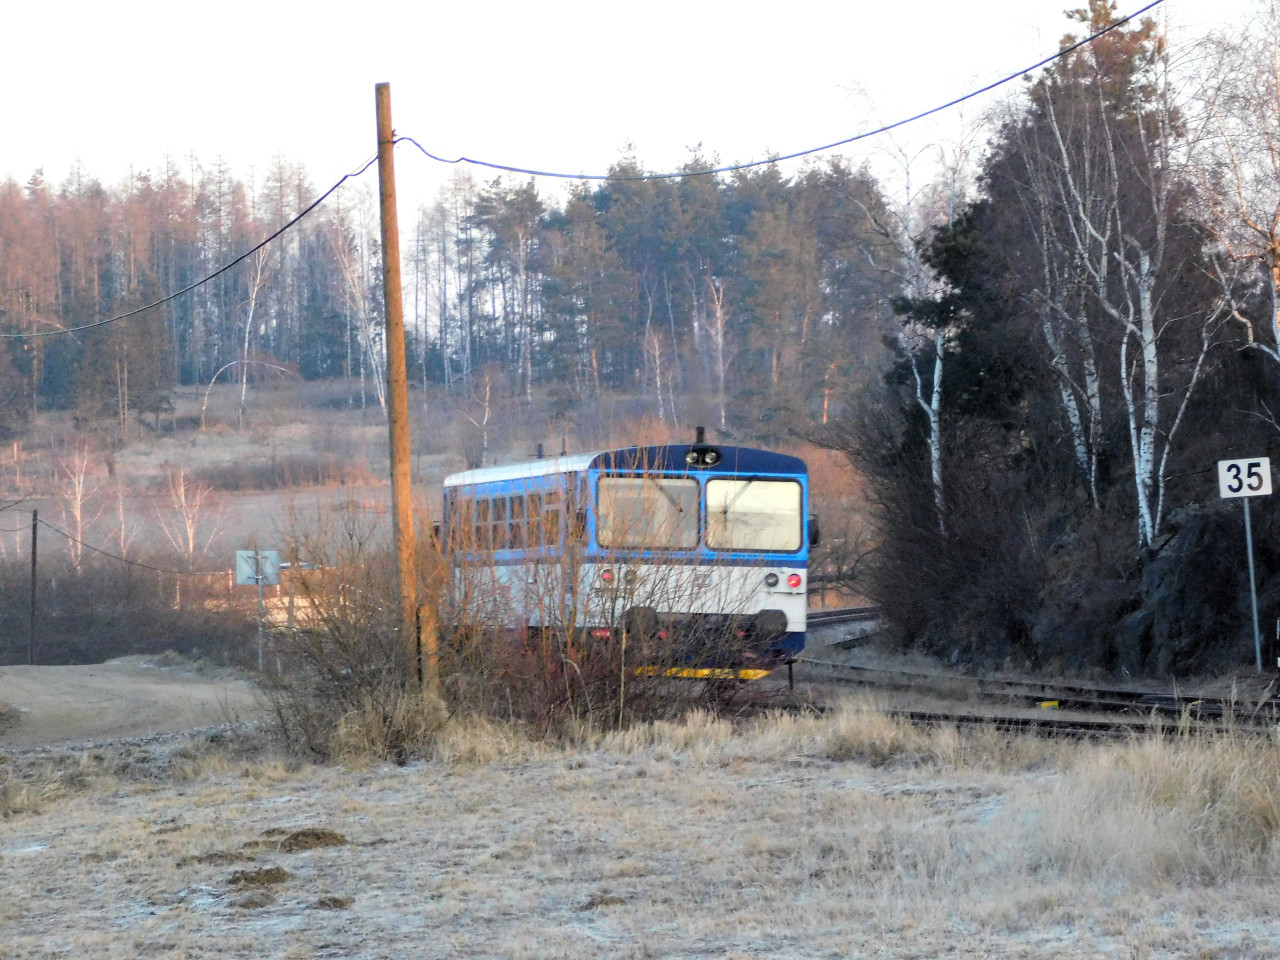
column 799, row 153
column 202, row 281
column 508, row 168
column 113, row 556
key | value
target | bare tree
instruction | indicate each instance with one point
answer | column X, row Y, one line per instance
column 193, row 518
column 125, row 527
column 655, row 357
column 481, row 405
column 257, row 281
column 1113, row 187
column 1058, row 297
column 75, row 504
column 716, row 322
column 349, row 247
column 1238, row 169
column 902, row 226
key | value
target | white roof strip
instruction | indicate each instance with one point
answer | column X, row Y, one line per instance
column 526, row 468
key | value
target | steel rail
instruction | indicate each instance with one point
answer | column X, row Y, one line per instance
column 1046, row 694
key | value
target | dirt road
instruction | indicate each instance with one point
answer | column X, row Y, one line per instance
column 129, row 697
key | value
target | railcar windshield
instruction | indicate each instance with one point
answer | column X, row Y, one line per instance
column 647, row 513
column 762, row 515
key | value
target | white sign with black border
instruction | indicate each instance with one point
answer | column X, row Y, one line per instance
column 1244, row 478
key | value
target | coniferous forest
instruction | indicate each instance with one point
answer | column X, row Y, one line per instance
column 1034, row 362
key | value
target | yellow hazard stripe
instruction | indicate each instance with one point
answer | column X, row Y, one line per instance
column 1048, row 704
column 703, row 673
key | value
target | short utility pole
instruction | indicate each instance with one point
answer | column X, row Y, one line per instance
column 31, row 637
column 397, row 382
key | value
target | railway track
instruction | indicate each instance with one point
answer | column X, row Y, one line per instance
column 820, row 618
column 1126, row 708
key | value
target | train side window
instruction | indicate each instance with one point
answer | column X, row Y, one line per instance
column 515, row 535
column 533, row 511
column 462, row 524
column 484, row 531
column 551, row 500
column 498, row 529
column 499, row 509
column 449, row 515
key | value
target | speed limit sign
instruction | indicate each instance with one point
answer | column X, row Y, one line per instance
column 1244, row 478
column 1247, row 478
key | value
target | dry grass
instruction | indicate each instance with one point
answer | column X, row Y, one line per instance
column 846, row 835
column 388, row 725
column 1173, row 807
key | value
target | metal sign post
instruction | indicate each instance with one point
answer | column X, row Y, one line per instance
column 260, row 568
column 1245, row 479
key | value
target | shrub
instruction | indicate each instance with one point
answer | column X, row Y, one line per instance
column 294, row 470
column 108, row 609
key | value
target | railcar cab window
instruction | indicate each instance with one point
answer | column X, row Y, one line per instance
column 754, row 515
column 648, row 513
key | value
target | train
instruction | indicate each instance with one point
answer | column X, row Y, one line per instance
column 698, row 553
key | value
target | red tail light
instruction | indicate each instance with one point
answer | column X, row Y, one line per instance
column 600, row 633
column 794, row 580
column 606, row 576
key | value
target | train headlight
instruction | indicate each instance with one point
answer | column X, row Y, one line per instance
column 702, row 456
column 770, row 579
column 794, row 580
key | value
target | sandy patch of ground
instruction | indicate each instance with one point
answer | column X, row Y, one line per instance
column 130, row 697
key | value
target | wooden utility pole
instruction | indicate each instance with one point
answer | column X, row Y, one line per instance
column 397, row 381
column 31, row 637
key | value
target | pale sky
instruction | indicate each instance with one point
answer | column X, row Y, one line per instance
column 555, row 85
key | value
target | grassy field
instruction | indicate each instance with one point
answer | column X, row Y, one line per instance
column 846, row 835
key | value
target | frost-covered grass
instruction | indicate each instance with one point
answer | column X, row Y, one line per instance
column 845, row 835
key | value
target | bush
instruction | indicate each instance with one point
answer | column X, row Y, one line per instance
column 348, row 684
column 295, row 470
column 107, row 609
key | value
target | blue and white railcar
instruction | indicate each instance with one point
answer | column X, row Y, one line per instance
column 665, row 540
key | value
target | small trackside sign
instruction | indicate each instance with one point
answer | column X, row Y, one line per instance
column 1244, row 478
column 254, row 564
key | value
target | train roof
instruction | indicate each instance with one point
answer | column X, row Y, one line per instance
column 659, row 458
column 525, row 468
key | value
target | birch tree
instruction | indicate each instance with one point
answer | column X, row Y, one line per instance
column 1108, row 182
column 255, row 283
column 350, row 244
column 1238, row 168
column 80, row 489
